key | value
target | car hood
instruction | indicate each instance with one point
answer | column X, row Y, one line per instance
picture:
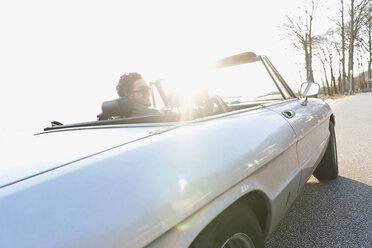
column 29, row 156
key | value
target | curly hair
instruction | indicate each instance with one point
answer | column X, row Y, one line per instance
column 125, row 84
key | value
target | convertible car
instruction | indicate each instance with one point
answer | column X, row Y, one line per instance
column 218, row 167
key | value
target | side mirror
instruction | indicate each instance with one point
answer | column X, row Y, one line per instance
column 309, row 89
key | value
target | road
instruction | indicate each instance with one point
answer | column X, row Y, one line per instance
column 337, row 213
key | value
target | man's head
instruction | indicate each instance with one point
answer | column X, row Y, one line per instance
column 133, row 86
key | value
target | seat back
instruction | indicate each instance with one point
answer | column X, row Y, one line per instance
column 121, row 107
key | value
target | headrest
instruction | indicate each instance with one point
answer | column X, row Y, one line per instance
column 122, row 106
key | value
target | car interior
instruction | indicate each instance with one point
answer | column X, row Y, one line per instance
column 118, row 111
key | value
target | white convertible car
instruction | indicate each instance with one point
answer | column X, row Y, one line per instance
column 217, row 169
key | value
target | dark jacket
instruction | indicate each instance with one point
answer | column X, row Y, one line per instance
column 141, row 110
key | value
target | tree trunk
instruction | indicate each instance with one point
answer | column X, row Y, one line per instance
column 326, row 78
column 310, row 46
column 339, row 83
column 333, row 80
column 360, row 73
column 363, row 74
column 350, row 72
column 324, row 88
column 309, row 70
column 307, row 61
column 369, row 50
column 343, row 74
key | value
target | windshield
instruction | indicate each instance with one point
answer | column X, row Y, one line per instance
column 242, row 83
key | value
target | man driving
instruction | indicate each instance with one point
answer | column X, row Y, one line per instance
column 132, row 86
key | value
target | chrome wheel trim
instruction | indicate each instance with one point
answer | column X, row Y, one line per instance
column 238, row 240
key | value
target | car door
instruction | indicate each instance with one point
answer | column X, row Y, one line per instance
column 309, row 122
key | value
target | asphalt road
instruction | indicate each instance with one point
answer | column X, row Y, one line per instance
column 337, row 213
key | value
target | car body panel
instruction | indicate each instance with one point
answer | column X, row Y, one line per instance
column 200, row 166
column 60, row 148
column 311, row 125
column 276, row 171
column 282, row 183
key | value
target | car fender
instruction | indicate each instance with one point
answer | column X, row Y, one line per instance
column 278, row 193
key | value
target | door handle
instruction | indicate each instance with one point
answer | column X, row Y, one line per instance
column 288, row 114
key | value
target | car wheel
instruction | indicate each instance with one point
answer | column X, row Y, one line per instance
column 236, row 227
column 328, row 166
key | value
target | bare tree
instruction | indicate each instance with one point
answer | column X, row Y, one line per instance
column 324, row 87
column 323, row 59
column 330, row 64
column 361, row 74
column 369, row 28
column 337, row 47
column 366, row 39
column 330, row 51
column 322, row 79
column 327, row 48
column 300, row 30
column 356, row 13
column 343, row 46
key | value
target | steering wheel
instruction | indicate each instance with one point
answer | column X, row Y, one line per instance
column 215, row 105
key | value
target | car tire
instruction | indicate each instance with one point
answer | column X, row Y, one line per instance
column 328, row 166
column 236, row 227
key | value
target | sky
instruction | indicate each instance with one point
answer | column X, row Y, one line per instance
column 59, row 60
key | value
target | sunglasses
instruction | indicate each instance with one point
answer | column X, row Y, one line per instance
column 145, row 91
